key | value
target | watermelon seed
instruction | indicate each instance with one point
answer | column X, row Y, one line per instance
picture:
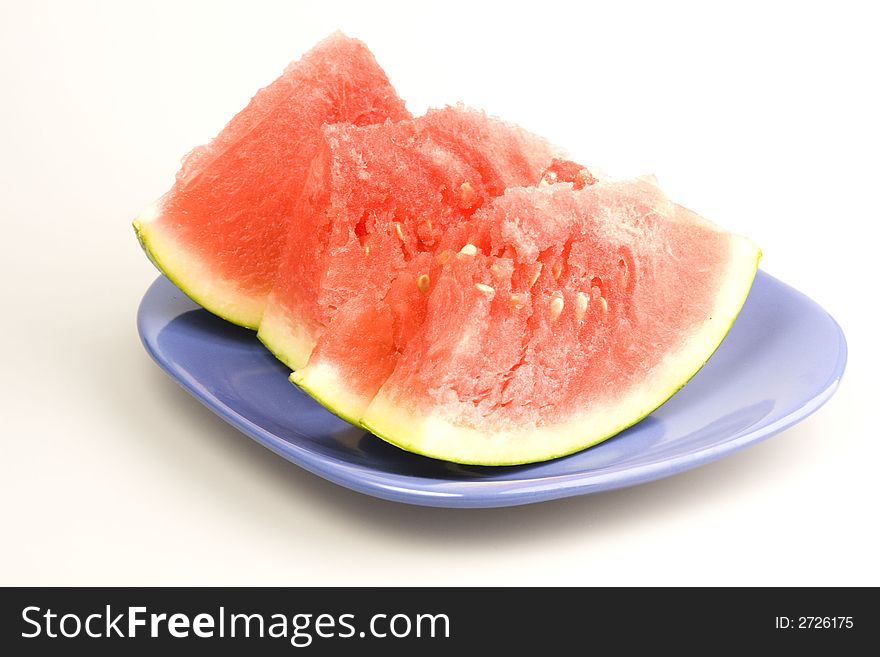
column 366, row 249
column 534, row 277
column 424, row 283
column 516, row 301
column 443, row 257
column 485, row 288
column 467, row 193
column 468, row 249
column 557, row 271
column 556, row 306
column 399, row 230
column 604, row 303
column 583, row 302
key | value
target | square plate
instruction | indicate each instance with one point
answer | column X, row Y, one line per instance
column 781, row 361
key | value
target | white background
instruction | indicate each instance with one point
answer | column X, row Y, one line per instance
column 761, row 116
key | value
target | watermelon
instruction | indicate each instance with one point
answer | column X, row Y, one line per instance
column 353, row 285
column 578, row 313
column 449, row 282
column 220, row 231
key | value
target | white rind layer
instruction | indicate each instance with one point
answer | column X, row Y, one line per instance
column 324, row 384
column 288, row 340
column 214, row 293
column 434, row 435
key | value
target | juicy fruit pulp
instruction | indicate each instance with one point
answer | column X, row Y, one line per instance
column 219, row 232
column 379, row 203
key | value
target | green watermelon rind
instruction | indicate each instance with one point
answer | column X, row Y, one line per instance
column 194, row 278
column 393, row 424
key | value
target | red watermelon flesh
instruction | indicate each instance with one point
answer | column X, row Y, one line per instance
column 220, row 231
column 353, row 284
column 581, row 312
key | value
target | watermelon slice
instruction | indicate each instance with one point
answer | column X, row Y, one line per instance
column 580, row 313
column 219, row 232
column 353, row 284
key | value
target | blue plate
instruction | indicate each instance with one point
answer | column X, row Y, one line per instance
column 781, row 361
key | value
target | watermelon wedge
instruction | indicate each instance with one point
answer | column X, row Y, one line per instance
column 632, row 295
column 220, row 231
column 353, row 284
